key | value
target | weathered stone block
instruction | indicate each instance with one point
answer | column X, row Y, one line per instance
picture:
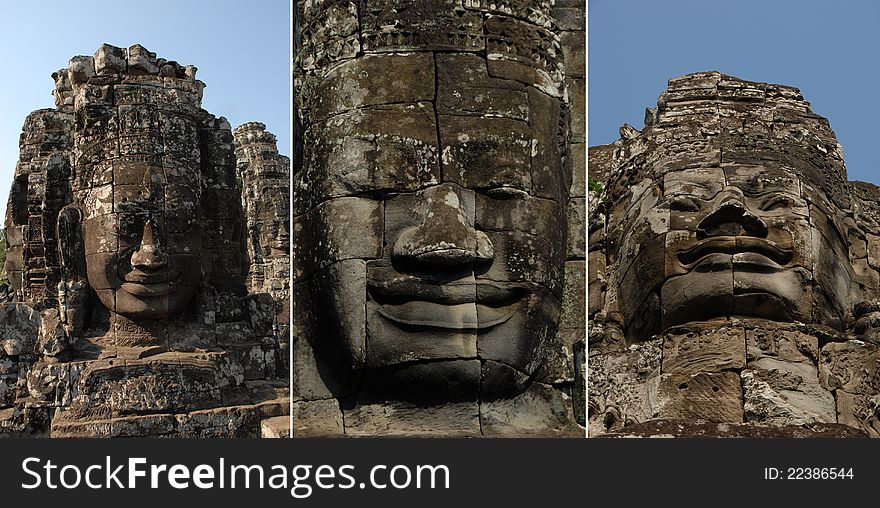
column 141, row 60
column 623, row 387
column 257, row 360
column 509, row 210
column 577, row 228
column 317, row 418
column 8, row 390
column 465, row 87
column 63, row 427
column 768, row 339
column 433, row 26
column 80, row 69
column 454, row 419
column 716, row 397
column 503, row 45
column 874, row 251
column 19, row 327
column 305, row 376
column 164, row 383
column 240, row 421
column 142, row 426
column 852, row 366
column 705, row 347
column 573, row 294
column 859, row 411
column 596, row 282
column 337, row 22
column 342, row 285
column 570, row 18
column 485, row 152
column 578, row 154
column 785, row 393
column 373, row 80
column 275, row 428
column 385, row 147
column 548, row 126
column 577, row 91
column 540, row 411
column 337, row 230
column 559, row 364
column 520, row 257
column 574, row 54
column 703, row 429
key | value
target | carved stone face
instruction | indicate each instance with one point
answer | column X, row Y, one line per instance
column 742, row 240
column 143, row 256
column 438, row 260
column 275, row 234
column 462, row 279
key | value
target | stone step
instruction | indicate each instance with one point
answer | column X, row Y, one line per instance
column 275, row 427
column 229, row 421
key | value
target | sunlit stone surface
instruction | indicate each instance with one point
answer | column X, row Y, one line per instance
column 732, row 276
column 148, row 261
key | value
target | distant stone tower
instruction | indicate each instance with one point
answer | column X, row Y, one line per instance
column 265, row 197
column 265, row 177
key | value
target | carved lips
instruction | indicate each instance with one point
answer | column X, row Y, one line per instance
column 455, row 306
column 145, row 283
column 143, row 289
column 746, row 251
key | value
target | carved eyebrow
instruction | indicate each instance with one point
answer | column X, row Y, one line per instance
column 749, row 192
column 757, row 188
column 682, row 192
column 709, row 195
column 762, row 193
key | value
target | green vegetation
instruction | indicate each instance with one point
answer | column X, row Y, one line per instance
column 596, row 187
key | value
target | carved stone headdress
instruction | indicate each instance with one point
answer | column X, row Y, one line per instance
column 121, row 107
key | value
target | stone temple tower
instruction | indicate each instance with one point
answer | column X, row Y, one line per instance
column 265, row 198
column 133, row 312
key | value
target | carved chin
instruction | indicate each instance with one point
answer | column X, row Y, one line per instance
column 458, row 350
column 135, row 302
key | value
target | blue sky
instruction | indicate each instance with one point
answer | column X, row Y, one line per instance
column 241, row 48
column 828, row 49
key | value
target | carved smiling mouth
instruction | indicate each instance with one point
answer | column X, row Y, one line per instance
column 743, row 250
column 141, row 284
column 454, row 306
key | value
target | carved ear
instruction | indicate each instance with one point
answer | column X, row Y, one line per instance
column 71, row 246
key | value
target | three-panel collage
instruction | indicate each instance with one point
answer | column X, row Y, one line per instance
column 447, row 255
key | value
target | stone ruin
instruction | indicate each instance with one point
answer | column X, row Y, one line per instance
column 439, row 218
column 148, row 262
column 734, row 271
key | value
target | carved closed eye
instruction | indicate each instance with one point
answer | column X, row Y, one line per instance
column 777, row 202
column 684, row 204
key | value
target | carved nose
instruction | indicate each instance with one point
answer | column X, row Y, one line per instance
column 477, row 250
column 149, row 257
column 732, row 218
column 446, row 236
